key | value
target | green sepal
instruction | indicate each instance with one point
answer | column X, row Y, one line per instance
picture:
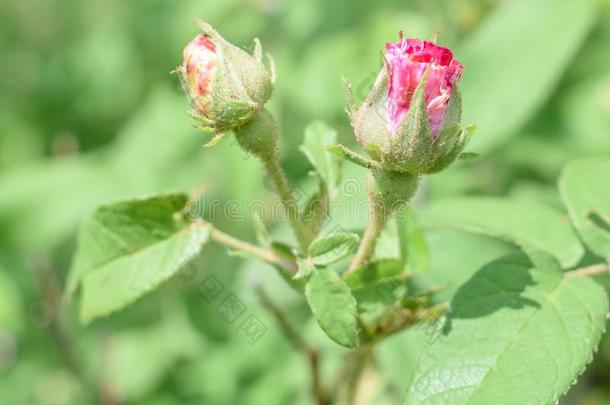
column 258, row 50
column 219, row 136
column 349, row 95
column 201, row 119
column 315, row 209
column 453, row 115
column 370, row 121
column 374, row 151
column 449, row 132
column 410, row 147
column 463, row 139
column 272, row 69
column 348, row 154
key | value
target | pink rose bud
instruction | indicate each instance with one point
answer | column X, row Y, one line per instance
column 408, row 60
column 199, row 66
column 226, row 86
column 410, row 121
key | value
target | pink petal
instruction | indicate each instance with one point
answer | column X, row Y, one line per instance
column 200, row 60
column 408, row 60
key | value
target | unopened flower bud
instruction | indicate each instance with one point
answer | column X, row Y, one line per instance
column 226, row 86
column 410, row 121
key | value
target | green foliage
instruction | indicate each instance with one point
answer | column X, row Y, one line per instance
column 329, row 249
column 377, row 285
column 374, row 273
column 318, row 135
column 128, row 248
column 515, row 333
column 585, row 191
column 326, row 169
column 89, row 115
column 333, row 306
column 498, row 69
column 526, row 224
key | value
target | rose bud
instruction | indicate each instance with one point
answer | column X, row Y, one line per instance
column 410, row 121
column 226, row 87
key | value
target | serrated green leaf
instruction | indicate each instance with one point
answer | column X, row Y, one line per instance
column 526, row 224
column 317, row 136
column 514, row 334
column 120, row 282
column 373, row 273
column 333, row 306
column 122, row 228
column 414, row 252
column 585, row 189
column 330, row 249
column 377, row 286
column 519, row 89
column 128, row 248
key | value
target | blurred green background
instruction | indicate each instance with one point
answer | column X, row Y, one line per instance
column 89, row 113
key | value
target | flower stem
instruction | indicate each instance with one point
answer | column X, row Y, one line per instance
column 378, row 217
column 387, row 192
column 275, row 172
column 260, row 138
column 266, row 255
column 592, row 270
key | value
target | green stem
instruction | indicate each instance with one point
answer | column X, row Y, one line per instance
column 278, row 177
column 266, row 255
column 407, row 319
column 387, row 191
column 378, row 217
column 592, row 270
column 260, row 138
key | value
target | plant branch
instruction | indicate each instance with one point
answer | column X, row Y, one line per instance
column 299, row 343
column 377, row 220
column 593, row 270
column 264, row 254
column 260, row 138
column 409, row 318
column 278, row 177
column 387, row 191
